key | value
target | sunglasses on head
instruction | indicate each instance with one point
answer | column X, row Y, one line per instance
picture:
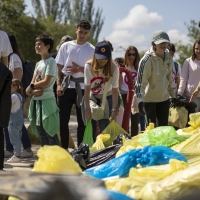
column 131, row 54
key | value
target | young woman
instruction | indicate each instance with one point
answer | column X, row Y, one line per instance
column 98, row 71
column 15, row 66
column 131, row 61
column 16, row 120
column 154, row 81
column 190, row 76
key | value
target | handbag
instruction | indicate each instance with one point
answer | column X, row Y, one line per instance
column 96, row 110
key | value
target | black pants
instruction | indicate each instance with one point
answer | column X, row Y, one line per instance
column 134, row 119
column 1, row 148
column 159, row 111
column 65, row 104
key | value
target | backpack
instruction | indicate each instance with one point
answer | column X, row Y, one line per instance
column 176, row 67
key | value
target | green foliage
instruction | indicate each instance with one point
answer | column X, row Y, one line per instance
column 185, row 51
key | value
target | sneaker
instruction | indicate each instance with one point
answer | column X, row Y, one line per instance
column 8, row 154
column 14, row 159
column 26, row 154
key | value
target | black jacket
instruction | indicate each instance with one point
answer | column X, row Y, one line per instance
column 5, row 95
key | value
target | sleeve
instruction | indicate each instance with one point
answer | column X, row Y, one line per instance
column 144, row 73
column 15, row 62
column 169, row 78
column 51, row 69
column 115, row 79
column 7, row 50
column 87, row 72
column 60, row 55
column 184, row 77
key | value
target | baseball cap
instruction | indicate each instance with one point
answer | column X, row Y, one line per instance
column 102, row 50
column 160, row 36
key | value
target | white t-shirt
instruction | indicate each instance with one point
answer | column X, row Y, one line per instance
column 15, row 103
column 71, row 52
column 124, row 85
column 15, row 62
column 175, row 74
column 5, row 46
column 97, row 82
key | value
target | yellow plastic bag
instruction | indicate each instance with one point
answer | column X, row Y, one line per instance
column 194, row 120
column 98, row 145
column 113, row 129
column 179, row 184
column 56, row 160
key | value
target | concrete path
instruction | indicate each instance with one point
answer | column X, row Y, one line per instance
column 24, row 165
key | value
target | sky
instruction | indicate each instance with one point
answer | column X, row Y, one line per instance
column 132, row 22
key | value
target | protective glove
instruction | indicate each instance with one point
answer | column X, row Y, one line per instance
column 141, row 108
column 172, row 102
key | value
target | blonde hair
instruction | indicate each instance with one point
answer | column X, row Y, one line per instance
column 16, row 82
column 107, row 70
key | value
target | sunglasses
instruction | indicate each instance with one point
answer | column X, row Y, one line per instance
column 131, row 54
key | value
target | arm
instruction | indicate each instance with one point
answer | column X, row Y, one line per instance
column 58, row 80
column 17, row 73
column 88, row 113
column 184, row 77
column 195, row 93
column 115, row 94
column 120, row 79
column 75, row 68
column 4, row 60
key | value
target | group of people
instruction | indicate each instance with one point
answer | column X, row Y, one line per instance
column 78, row 71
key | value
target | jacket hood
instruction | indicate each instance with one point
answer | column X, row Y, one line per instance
column 152, row 53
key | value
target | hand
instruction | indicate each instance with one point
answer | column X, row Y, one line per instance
column 141, row 108
column 88, row 114
column 172, row 102
column 73, row 69
column 59, row 91
column 113, row 116
column 37, row 92
column 194, row 94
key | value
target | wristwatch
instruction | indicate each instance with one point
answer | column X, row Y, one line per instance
column 114, row 110
column 30, row 88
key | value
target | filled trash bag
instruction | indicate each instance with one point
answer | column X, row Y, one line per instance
column 119, row 139
column 88, row 135
column 103, row 155
column 113, row 129
column 99, row 144
column 56, row 160
column 194, row 120
column 117, row 195
column 158, row 155
column 115, row 167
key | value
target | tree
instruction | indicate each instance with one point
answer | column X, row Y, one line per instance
column 185, row 51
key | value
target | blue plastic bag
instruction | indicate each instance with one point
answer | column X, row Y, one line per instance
column 158, row 155
column 119, row 166
column 116, row 195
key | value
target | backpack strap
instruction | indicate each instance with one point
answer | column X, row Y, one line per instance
column 176, row 67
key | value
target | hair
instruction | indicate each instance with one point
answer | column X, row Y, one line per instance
column 193, row 54
column 110, row 44
column 84, row 24
column 64, row 39
column 107, row 70
column 119, row 61
column 16, row 82
column 14, row 45
column 137, row 57
column 47, row 40
column 171, row 47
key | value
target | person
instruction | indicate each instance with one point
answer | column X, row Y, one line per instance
column 43, row 110
column 131, row 62
column 176, row 69
column 16, row 120
column 119, row 61
column 5, row 90
column 190, row 76
column 15, row 66
column 154, row 80
column 71, row 59
column 99, row 70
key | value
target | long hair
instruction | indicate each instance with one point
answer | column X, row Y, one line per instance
column 14, row 45
column 193, row 54
column 137, row 57
column 107, row 70
column 16, row 82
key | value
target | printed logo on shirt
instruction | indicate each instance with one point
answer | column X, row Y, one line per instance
column 134, row 75
column 97, row 84
column 39, row 74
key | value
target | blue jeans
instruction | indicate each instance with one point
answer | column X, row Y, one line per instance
column 45, row 138
column 142, row 122
column 103, row 123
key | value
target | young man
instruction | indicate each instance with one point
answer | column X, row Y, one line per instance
column 5, row 89
column 71, row 59
column 43, row 111
column 176, row 69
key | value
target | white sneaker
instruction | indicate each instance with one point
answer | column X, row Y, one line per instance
column 8, row 154
column 14, row 159
column 26, row 154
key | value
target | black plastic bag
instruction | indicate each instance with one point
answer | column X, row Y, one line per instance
column 103, row 155
column 118, row 139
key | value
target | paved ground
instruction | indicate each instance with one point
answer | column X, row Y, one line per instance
column 24, row 165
